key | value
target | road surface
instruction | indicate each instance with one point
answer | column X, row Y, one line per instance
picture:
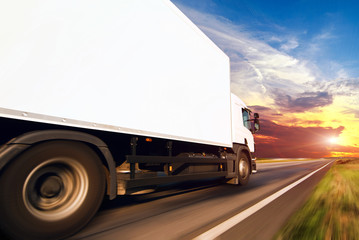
column 192, row 210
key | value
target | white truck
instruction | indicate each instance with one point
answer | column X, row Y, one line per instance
column 106, row 98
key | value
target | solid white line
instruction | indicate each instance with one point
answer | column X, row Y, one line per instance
column 226, row 225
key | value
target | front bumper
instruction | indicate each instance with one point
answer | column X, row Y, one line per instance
column 254, row 165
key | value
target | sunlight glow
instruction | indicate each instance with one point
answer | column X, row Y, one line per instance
column 333, row 140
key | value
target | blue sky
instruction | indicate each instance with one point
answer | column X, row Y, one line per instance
column 324, row 32
column 296, row 62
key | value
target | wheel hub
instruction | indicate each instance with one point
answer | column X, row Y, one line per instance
column 243, row 168
column 55, row 189
column 51, row 187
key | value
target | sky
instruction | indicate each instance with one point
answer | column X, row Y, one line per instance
column 295, row 63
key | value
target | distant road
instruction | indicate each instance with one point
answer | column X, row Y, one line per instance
column 192, row 210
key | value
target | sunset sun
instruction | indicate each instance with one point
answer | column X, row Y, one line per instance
column 333, row 140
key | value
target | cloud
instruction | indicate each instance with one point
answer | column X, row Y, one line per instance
column 304, row 102
column 324, row 35
column 316, row 45
column 257, row 68
column 348, row 91
column 351, row 111
column 289, row 45
column 255, row 62
column 292, row 75
column 265, row 112
column 275, row 140
column 345, row 87
column 260, row 108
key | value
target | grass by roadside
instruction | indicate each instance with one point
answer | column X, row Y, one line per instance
column 332, row 212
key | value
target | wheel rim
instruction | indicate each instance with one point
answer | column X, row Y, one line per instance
column 243, row 168
column 55, row 189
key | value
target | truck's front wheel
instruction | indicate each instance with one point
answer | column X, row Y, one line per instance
column 244, row 168
column 51, row 190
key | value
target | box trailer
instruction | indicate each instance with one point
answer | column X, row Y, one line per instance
column 105, row 98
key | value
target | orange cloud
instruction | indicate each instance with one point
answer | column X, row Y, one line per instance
column 276, row 140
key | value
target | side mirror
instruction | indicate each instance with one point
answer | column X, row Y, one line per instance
column 256, row 125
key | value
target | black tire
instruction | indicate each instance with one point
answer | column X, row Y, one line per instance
column 51, row 191
column 244, row 168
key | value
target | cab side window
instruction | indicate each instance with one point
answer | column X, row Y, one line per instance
column 246, row 119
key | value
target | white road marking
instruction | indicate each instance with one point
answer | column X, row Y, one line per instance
column 226, row 225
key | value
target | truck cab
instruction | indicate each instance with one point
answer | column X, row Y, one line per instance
column 244, row 125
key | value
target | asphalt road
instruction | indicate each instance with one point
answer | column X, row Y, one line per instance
column 186, row 211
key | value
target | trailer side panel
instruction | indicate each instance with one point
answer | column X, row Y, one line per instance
column 134, row 66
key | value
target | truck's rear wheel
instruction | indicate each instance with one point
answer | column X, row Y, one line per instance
column 51, row 190
column 244, row 168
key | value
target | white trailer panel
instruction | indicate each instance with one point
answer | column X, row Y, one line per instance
column 128, row 66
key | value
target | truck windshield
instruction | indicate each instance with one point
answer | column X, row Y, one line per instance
column 246, row 118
